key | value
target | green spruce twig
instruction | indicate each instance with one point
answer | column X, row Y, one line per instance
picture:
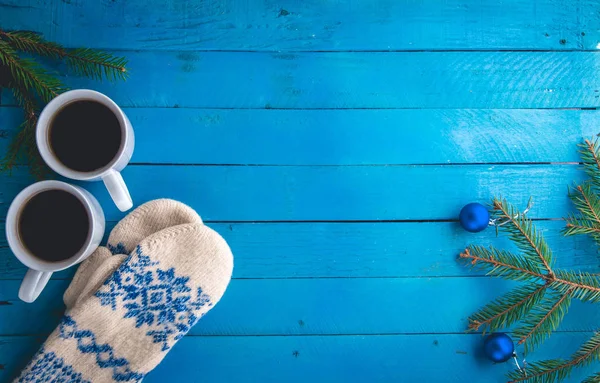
column 32, row 84
column 560, row 369
column 28, row 74
column 538, row 306
column 82, row 61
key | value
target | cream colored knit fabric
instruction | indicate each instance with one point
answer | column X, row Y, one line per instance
column 123, row 330
column 147, row 219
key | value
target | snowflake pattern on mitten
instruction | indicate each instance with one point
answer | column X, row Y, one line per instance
column 157, row 298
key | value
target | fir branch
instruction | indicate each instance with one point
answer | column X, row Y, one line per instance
column 27, row 102
column 584, row 286
column 32, row 42
column 590, row 155
column 14, row 149
column 95, row 64
column 23, row 145
column 589, row 352
column 30, row 81
column 592, row 379
column 588, row 221
column 508, row 309
column 544, row 371
column 537, row 320
column 587, row 203
column 82, row 61
column 578, row 225
column 502, row 264
column 523, row 233
column 543, row 320
column 559, row 369
column 30, row 75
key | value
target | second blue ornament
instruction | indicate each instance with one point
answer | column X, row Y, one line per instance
column 499, row 347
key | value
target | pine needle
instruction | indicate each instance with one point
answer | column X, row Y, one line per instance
column 30, row 83
column 545, row 371
column 502, row 263
column 509, row 309
column 589, row 351
column 586, row 201
column 23, row 145
column 543, row 320
column 82, row 61
column 549, row 371
column 583, row 286
column 15, row 149
column 29, row 74
column 523, row 233
column 32, row 42
column 97, row 65
column 590, row 155
column 592, row 379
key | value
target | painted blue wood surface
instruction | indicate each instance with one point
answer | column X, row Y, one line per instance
column 334, row 193
column 311, row 24
column 269, row 117
column 350, row 358
column 317, row 306
column 278, row 137
column 361, row 250
column 267, row 80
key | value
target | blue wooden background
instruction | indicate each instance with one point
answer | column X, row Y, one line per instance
column 333, row 143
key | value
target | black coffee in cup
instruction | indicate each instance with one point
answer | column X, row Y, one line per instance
column 53, row 225
column 85, row 135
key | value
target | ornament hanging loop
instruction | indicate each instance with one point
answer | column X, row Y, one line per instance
column 503, row 221
column 523, row 370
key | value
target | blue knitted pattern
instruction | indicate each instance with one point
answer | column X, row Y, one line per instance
column 47, row 367
column 119, row 248
column 105, row 356
column 157, row 298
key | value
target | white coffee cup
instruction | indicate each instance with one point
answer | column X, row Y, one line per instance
column 110, row 173
column 40, row 270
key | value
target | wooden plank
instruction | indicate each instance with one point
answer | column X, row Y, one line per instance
column 315, row 307
column 331, row 193
column 301, row 250
column 220, row 136
column 384, row 358
column 320, row 80
column 310, row 25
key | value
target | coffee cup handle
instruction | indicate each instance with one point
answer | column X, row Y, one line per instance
column 33, row 284
column 118, row 190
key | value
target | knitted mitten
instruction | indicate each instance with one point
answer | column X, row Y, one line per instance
column 147, row 219
column 122, row 331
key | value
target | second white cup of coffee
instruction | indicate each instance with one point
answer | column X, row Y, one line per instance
column 83, row 226
column 71, row 140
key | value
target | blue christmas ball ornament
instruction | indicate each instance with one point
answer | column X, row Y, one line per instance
column 474, row 217
column 498, row 347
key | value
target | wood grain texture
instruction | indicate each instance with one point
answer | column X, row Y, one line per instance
column 310, row 25
column 383, row 358
column 320, row 80
column 332, row 193
column 350, row 137
column 270, row 117
column 315, row 307
column 360, row 250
